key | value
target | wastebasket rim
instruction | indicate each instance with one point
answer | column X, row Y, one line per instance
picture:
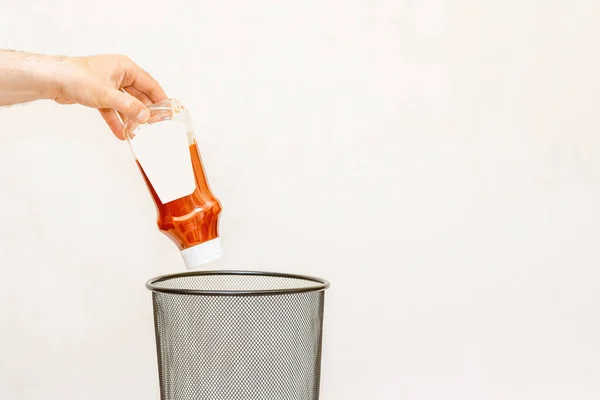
column 320, row 284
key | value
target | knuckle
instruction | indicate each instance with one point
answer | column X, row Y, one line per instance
column 102, row 99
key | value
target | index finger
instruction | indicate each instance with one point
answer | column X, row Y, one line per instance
column 142, row 81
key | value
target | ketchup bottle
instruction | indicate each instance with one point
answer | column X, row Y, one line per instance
column 167, row 155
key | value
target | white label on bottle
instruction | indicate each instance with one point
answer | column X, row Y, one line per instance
column 162, row 149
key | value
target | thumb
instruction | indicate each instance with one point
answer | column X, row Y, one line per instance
column 126, row 104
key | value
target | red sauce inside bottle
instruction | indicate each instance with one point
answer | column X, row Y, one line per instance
column 192, row 219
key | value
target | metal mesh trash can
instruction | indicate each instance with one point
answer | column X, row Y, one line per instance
column 238, row 335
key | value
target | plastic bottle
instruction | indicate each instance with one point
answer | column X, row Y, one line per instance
column 167, row 155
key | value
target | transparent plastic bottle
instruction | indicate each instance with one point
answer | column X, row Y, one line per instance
column 167, row 155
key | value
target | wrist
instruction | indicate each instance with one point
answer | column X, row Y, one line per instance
column 48, row 75
column 28, row 77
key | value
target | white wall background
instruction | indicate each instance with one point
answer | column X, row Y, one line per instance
column 437, row 160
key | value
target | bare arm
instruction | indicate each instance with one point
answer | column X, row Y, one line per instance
column 95, row 81
column 25, row 77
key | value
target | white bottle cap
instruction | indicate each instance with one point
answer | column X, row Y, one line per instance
column 202, row 253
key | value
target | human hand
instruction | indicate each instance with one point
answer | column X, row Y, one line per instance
column 109, row 83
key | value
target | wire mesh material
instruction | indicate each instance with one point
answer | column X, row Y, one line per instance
column 234, row 335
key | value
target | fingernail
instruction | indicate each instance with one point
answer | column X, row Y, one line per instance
column 143, row 115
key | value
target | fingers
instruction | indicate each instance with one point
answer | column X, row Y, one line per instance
column 113, row 121
column 126, row 104
column 114, row 101
column 141, row 96
column 144, row 83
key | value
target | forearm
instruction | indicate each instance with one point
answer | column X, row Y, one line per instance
column 107, row 82
column 27, row 77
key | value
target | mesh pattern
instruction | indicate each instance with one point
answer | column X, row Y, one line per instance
column 224, row 347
